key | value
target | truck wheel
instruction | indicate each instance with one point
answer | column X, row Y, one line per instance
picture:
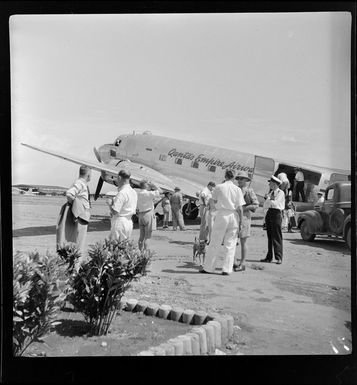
column 190, row 211
column 337, row 218
column 304, row 232
column 348, row 237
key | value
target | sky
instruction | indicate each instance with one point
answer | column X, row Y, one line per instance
column 272, row 84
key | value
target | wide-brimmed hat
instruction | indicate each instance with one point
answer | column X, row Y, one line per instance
column 275, row 180
column 243, row 174
column 177, row 189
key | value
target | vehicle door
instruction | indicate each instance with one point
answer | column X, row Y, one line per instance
column 263, row 170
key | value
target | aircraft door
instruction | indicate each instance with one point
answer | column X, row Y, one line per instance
column 263, row 170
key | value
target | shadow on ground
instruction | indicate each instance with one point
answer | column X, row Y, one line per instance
column 324, row 243
column 103, row 225
column 182, row 242
column 72, row 328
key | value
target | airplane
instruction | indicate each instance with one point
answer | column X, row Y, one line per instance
column 169, row 162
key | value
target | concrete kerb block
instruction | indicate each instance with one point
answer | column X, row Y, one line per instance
column 158, row 351
column 224, row 328
column 176, row 314
column 230, row 325
column 146, row 353
column 210, row 334
column 122, row 303
column 187, row 344
column 195, row 343
column 141, row 306
column 152, row 309
column 201, row 332
column 177, row 343
column 212, row 315
column 217, row 333
column 187, row 316
column 169, row 349
column 199, row 318
column 130, row 304
column 164, row 311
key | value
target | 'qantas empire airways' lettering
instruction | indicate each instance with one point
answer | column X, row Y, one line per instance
column 201, row 158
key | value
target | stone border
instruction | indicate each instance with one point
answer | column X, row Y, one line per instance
column 211, row 331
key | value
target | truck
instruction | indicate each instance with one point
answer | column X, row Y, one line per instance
column 333, row 218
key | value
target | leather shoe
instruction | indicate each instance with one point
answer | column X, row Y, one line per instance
column 265, row 260
column 224, row 273
column 279, row 262
column 239, row 268
column 204, row 271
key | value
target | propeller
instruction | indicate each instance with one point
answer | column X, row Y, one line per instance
column 99, row 187
column 100, row 180
column 97, row 155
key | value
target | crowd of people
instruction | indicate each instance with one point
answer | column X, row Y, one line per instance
column 225, row 211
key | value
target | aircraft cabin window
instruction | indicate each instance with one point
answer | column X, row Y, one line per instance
column 163, row 157
column 178, row 161
column 148, row 149
column 212, row 168
column 194, row 164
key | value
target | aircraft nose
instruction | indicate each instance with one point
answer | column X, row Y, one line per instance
column 102, row 153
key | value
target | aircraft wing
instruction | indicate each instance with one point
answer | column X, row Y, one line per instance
column 188, row 188
column 138, row 172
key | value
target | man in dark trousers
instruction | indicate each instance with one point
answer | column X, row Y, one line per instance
column 275, row 203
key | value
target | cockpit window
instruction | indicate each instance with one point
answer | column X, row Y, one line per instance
column 117, row 142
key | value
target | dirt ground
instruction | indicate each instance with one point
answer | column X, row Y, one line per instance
column 129, row 334
column 302, row 306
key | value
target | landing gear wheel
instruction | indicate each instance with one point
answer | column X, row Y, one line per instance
column 190, row 211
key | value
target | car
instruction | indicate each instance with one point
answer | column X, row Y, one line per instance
column 332, row 218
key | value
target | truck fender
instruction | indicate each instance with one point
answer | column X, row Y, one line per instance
column 313, row 219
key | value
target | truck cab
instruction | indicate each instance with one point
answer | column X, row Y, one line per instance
column 332, row 218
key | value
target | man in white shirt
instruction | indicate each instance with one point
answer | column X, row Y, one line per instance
column 204, row 197
column 285, row 185
column 275, row 203
column 78, row 197
column 122, row 208
column 299, row 185
column 145, row 207
column 228, row 199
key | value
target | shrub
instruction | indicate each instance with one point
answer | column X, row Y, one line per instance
column 37, row 295
column 70, row 254
column 101, row 281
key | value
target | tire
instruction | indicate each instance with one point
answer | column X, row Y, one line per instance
column 192, row 214
column 336, row 220
column 305, row 234
column 348, row 237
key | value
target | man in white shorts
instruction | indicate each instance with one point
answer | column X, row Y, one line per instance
column 122, row 208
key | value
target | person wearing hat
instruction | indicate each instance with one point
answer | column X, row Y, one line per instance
column 320, row 200
column 176, row 202
column 275, row 203
column 147, row 193
column 300, row 185
column 251, row 204
column 122, row 207
column 204, row 198
column 228, row 200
